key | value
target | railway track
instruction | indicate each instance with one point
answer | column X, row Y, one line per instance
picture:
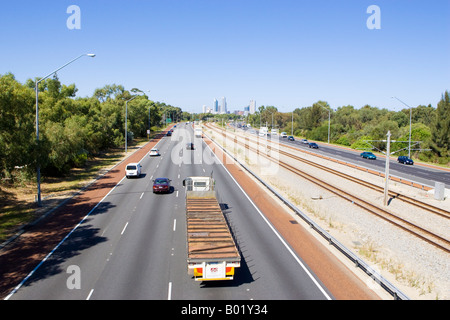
column 426, row 235
column 392, row 194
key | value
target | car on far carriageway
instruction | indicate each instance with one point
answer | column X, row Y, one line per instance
column 161, row 185
column 313, row 145
column 291, row 138
column 368, row 155
column 405, row 160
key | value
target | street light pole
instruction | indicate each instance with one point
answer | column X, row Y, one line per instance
column 126, row 115
column 126, row 123
column 329, row 121
column 38, row 169
column 410, row 116
column 329, row 125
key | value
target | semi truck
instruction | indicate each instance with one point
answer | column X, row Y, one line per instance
column 212, row 253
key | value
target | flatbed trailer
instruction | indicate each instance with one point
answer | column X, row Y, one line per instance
column 212, row 253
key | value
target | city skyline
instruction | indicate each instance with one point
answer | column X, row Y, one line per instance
column 216, row 109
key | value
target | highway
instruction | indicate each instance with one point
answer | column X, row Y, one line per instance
column 416, row 173
column 133, row 244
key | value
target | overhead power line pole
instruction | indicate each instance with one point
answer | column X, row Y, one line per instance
column 386, row 173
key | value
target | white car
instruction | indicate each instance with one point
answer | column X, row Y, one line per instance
column 154, row 152
column 305, row 141
column 283, row 135
column 133, row 170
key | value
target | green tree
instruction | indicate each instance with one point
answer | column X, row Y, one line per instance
column 112, row 91
column 401, row 118
column 17, row 130
column 440, row 133
column 422, row 114
column 347, row 116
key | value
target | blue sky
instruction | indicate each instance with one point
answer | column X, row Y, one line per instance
column 284, row 53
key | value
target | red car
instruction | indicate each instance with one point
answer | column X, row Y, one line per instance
column 161, row 185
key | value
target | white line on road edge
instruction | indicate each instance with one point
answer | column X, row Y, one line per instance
column 275, row 231
column 169, row 295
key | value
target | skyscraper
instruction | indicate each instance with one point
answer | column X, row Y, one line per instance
column 223, row 107
column 216, row 106
column 252, row 106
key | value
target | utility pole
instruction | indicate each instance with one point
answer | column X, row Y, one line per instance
column 329, row 121
column 292, row 124
column 386, row 173
column 410, row 118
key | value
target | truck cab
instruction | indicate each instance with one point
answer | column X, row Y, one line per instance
column 198, row 132
column 199, row 184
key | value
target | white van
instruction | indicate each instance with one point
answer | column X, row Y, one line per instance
column 133, row 170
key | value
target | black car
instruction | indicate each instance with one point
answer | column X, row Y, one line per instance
column 189, row 146
column 405, row 160
column 291, row 138
column 313, row 145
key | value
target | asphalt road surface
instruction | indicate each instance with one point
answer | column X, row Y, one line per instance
column 133, row 245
